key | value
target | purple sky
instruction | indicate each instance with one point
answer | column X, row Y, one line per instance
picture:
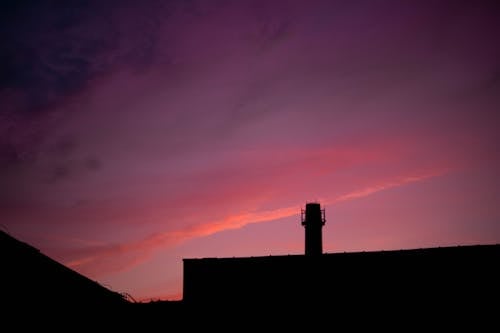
column 137, row 133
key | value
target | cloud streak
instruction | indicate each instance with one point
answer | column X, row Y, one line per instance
column 92, row 256
column 139, row 127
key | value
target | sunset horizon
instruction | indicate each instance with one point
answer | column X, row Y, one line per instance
column 134, row 135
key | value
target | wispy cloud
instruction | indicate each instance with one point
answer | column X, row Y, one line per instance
column 399, row 181
column 124, row 256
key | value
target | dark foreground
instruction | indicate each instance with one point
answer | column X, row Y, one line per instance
column 452, row 287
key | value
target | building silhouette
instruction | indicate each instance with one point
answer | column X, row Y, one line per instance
column 450, row 277
column 418, row 285
column 36, row 286
column 313, row 220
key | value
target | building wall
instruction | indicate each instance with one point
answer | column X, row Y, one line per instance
column 32, row 282
column 345, row 279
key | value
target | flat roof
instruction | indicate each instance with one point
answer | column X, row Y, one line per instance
column 355, row 253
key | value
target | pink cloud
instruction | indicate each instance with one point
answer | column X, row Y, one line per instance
column 90, row 259
column 399, row 181
column 170, row 124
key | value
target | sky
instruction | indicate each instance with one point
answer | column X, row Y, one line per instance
column 134, row 134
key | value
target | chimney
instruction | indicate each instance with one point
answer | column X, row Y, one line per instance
column 313, row 220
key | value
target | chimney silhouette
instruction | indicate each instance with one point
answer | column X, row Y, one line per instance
column 313, row 220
